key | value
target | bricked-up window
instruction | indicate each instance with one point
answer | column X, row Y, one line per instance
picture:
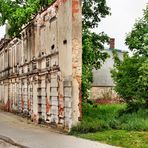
column 0, row 62
column 12, row 54
column 25, row 50
column 18, row 52
column 47, row 62
column 43, row 38
column 52, row 36
column 29, row 44
column 34, row 65
column 15, row 55
column 10, row 57
column 28, row 67
column 6, row 58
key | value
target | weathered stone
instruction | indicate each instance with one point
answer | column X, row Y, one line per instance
column 54, row 119
column 53, row 83
column 40, row 72
column 68, row 91
column 54, row 92
column 68, row 112
column 54, row 110
column 54, row 101
column 68, row 102
column 68, row 123
column 67, row 83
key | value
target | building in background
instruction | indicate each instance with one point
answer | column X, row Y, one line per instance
column 103, row 85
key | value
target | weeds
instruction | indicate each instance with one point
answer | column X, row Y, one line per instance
column 107, row 117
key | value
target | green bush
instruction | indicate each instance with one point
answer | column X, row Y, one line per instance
column 131, row 79
column 131, row 74
column 135, row 121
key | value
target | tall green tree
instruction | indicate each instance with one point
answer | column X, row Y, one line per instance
column 131, row 74
column 93, row 11
column 137, row 39
column 93, row 43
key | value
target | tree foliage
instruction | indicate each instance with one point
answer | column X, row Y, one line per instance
column 17, row 13
column 92, row 57
column 131, row 74
column 93, row 11
column 137, row 39
column 93, row 44
column 131, row 80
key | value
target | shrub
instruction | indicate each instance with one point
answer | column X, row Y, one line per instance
column 131, row 80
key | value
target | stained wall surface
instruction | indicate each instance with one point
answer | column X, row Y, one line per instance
column 40, row 74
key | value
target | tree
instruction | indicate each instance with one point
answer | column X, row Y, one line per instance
column 92, row 57
column 93, row 11
column 93, row 44
column 131, row 80
column 137, row 39
column 18, row 12
column 131, row 74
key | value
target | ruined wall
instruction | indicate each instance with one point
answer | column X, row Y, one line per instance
column 40, row 74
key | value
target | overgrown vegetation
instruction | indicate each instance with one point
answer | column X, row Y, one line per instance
column 93, row 44
column 110, row 124
column 107, row 117
column 123, row 125
column 131, row 74
column 93, row 57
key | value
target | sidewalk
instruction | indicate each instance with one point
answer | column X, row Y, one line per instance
column 32, row 136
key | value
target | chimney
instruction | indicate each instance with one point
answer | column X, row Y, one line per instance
column 112, row 43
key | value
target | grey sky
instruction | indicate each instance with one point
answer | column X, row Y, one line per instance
column 2, row 32
column 124, row 14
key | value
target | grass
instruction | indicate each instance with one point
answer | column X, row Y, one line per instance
column 109, row 124
column 120, row 138
column 107, row 117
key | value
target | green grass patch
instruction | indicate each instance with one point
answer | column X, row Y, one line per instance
column 128, row 139
column 111, row 124
column 107, row 117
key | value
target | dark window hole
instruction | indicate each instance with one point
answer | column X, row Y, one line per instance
column 65, row 42
column 52, row 47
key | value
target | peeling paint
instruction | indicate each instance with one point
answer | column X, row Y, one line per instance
column 41, row 72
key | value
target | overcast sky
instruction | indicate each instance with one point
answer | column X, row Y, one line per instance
column 124, row 14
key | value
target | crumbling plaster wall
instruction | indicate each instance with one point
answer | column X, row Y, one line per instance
column 40, row 73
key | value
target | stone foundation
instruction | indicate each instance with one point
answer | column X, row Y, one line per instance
column 99, row 92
